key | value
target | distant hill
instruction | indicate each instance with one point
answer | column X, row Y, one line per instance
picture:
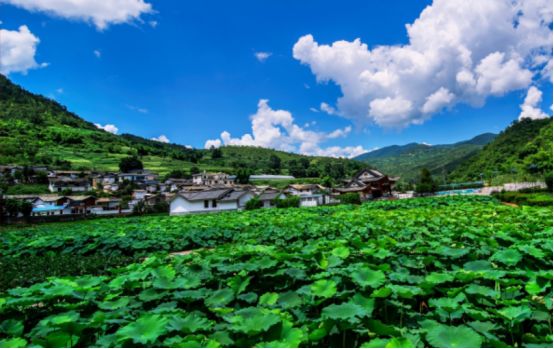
column 35, row 130
column 524, row 149
column 407, row 160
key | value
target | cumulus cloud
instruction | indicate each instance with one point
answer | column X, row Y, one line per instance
column 108, row 128
column 161, row 138
column 100, row 13
column 17, row 51
column 216, row 143
column 530, row 107
column 262, row 56
column 458, row 52
column 276, row 129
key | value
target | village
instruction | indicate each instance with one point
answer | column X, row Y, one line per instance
column 70, row 192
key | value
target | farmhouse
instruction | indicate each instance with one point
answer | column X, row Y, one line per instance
column 140, row 176
column 213, row 200
column 267, row 198
column 75, row 184
column 206, row 178
column 47, row 205
column 310, row 194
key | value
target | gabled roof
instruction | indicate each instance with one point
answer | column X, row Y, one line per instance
column 269, row 195
column 374, row 173
column 305, row 186
column 234, row 195
column 213, row 194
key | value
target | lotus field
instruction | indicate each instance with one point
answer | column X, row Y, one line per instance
column 430, row 272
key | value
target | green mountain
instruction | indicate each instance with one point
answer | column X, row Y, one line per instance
column 407, row 160
column 35, row 130
column 523, row 151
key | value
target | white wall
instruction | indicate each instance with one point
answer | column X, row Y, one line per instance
column 244, row 199
column 180, row 205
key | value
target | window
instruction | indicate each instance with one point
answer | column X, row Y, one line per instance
column 206, row 204
column 214, row 203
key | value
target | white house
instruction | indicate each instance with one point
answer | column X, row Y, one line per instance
column 206, row 178
column 59, row 184
column 213, row 200
column 267, row 198
column 310, row 194
column 138, row 176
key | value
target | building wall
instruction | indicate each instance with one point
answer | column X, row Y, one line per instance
column 244, row 199
column 181, row 206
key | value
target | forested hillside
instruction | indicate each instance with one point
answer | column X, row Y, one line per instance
column 35, row 130
column 522, row 151
column 407, row 160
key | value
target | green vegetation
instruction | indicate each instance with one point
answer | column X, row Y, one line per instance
column 350, row 198
column 525, row 198
column 24, row 189
column 407, row 161
column 521, row 152
column 35, row 130
column 442, row 272
column 426, row 184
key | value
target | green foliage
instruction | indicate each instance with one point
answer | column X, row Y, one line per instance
column 408, row 160
column 350, row 198
column 289, row 201
column 426, row 184
column 26, row 189
column 129, row 164
column 521, row 151
column 523, row 198
column 253, row 204
column 446, row 271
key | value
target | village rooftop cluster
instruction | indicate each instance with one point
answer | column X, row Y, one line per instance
column 204, row 192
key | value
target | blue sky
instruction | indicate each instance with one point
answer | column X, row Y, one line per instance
column 189, row 71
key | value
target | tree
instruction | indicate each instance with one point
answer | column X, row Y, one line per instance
column 26, row 208
column 426, row 183
column 327, row 182
column 194, row 170
column 216, row 153
column 243, row 176
column 275, row 163
column 130, row 163
column 253, row 204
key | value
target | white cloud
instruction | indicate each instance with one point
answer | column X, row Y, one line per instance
column 326, row 108
column 436, row 101
column 216, row 143
column 161, row 138
column 314, row 110
column 530, row 108
column 108, row 128
column 17, row 51
column 153, row 24
column 100, row 13
column 262, row 56
column 59, row 90
column 458, row 52
column 97, row 53
column 276, row 129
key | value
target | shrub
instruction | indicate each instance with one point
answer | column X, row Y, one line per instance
column 350, row 198
column 291, row 201
column 253, row 204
